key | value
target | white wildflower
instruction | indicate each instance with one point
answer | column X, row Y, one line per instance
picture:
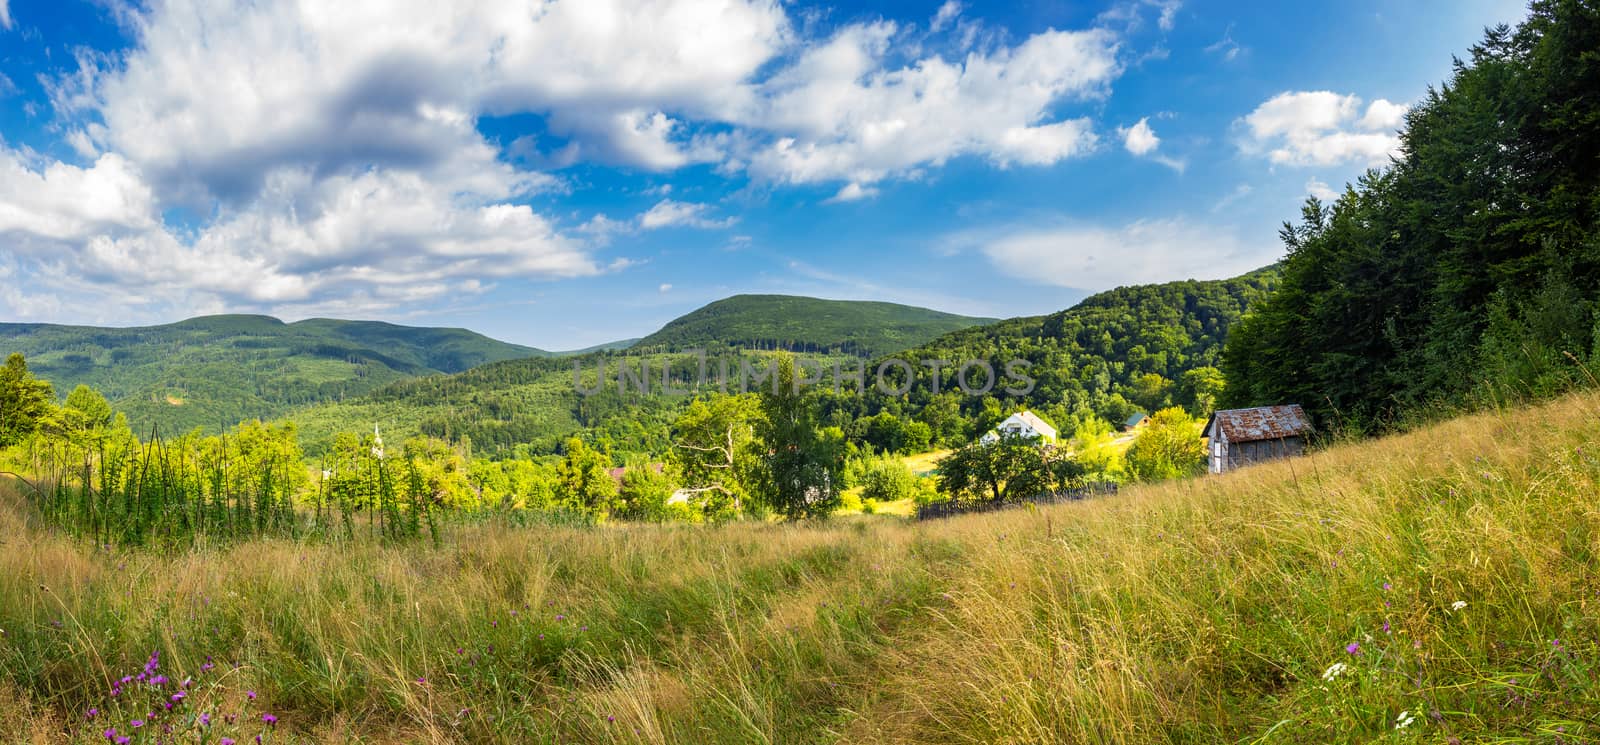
column 1334, row 670
column 1404, row 720
column 1458, row 605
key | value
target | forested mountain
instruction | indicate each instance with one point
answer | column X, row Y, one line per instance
column 804, row 324
column 1129, row 349
column 1469, row 268
column 1138, row 348
column 217, row 370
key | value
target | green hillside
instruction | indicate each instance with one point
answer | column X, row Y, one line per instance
column 803, row 324
column 1137, row 348
column 1466, row 272
column 1094, row 359
column 215, row 370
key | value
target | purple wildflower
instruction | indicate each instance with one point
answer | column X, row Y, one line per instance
column 1353, row 648
column 137, row 723
column 269, row 719
column 227, row 741
column 91, row 713
column 250, row 695
column 205, row 719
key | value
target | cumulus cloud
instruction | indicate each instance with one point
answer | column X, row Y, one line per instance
column 386, row 238
column 1140, row 139
column 843, row 113
column 1321, row 190
column 668, row 213
column 329, row 154
column 5, row 14
column 1322, row 128
column 1095, row 257
column 58, row 201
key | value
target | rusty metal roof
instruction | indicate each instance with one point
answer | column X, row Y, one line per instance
column 1260, row 423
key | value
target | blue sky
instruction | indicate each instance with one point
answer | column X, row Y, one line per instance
column 562, row 174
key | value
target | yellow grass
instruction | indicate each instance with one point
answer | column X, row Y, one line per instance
column 1192, row 612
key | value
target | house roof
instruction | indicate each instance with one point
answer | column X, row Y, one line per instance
column 1032, row 420
column 1260, row 423
column 1134, row 420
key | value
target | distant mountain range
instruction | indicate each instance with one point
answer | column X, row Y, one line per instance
column 214, row 371
column 1099, row 353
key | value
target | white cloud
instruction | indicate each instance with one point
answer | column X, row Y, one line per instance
column 62, row 202
column 665, row 288
column 1321, row 190
column 328, row 155
column 5, row 14
column 1383, row 115
column 668, row 213
column 842, row 113
column 379, row 239
column 1096, row 257
column 947, row 13
column 852, row 192
column 1322, row 128
column 219, row 92
column 1140, row 139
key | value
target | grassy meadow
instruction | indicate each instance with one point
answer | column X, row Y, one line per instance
column 1437, row 586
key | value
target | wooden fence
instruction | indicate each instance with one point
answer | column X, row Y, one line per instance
column 952, row 508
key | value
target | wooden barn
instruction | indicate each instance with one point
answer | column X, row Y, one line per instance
column 1239, row 437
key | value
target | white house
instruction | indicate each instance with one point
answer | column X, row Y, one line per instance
column 1025, row 424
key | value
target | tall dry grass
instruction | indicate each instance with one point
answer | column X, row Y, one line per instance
column 1220, row 609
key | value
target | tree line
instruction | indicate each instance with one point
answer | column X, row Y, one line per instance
column 1466, row 272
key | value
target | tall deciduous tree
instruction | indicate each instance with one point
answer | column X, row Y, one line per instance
column 25, row 401
column 1007, row 469
column 583, row 479
column 714, row 449
column 802, row 462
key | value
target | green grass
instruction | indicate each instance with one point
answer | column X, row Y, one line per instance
column 1199, row 611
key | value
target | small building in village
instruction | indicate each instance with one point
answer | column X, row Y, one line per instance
column 1024, row 424
column 1134, row 422
column 1239, row 437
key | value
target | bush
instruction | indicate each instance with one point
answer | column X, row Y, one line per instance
column 887, row 481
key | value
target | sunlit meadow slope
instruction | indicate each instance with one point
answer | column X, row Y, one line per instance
column 1439, row 586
